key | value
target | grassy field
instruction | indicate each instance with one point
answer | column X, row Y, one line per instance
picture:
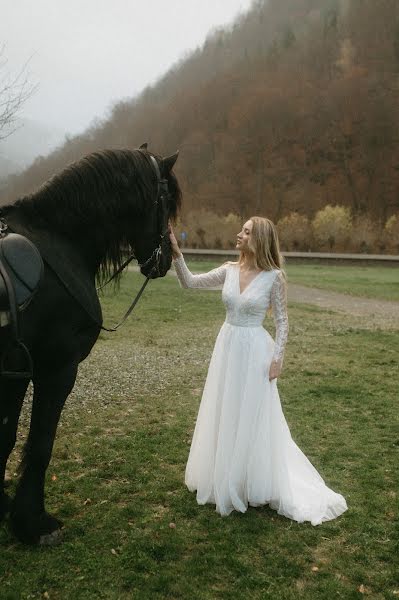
column 368, row 281
column 133, row 531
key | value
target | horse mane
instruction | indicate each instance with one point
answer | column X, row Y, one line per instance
column 110, row 188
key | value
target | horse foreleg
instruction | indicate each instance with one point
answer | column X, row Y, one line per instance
column 31, row 523
column 12, row 393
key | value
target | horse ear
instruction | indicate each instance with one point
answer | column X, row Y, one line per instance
column 143, row 146
column 169, row 161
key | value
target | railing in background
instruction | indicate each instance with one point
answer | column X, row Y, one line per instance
column 316, row 257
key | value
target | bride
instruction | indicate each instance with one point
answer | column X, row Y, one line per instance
column 242, row 451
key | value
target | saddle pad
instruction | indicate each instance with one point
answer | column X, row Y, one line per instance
column 65, row 261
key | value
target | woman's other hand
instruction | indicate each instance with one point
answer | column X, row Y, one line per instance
column 175, row 246
column 274, row 371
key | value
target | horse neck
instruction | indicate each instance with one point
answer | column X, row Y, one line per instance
column 95, row 240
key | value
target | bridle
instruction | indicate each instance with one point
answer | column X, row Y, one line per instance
column 161, row 203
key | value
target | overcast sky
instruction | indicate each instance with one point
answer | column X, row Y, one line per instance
column 86, row 54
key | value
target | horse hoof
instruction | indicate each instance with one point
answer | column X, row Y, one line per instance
column 51, row 539
column 44, row 530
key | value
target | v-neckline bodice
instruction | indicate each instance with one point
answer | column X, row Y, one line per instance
column 240, row 293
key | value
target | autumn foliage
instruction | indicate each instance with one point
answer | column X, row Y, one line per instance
column 292, row 109
column 332, row 229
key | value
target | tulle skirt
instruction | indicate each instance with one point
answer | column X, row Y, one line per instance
column 242, row 452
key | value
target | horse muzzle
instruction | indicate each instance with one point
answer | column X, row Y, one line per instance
column 157, row 265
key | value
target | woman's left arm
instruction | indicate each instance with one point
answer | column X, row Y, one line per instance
column 279, row 308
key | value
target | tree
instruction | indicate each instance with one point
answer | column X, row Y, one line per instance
column 15, row 90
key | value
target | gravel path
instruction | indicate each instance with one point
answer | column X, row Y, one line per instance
column 379, row 313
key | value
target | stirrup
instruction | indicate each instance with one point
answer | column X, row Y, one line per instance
column 18, row 354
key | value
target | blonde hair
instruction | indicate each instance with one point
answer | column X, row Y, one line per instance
column 264, row 245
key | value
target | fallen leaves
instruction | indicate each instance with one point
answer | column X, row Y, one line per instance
column 363, row 589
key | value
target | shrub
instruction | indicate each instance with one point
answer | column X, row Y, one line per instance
column 231, row 224
column 205, row 229
column 392, row 233
column 295, row 232
column 366, row 235
column 332, row 227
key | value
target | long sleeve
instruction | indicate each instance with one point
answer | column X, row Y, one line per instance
column 279, row 309
column 213, row 278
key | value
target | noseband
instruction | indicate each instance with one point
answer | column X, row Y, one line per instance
column 161, row 204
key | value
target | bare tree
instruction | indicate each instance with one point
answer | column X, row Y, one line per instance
column 15, row 90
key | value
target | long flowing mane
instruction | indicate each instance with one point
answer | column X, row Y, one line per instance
column 106, row 188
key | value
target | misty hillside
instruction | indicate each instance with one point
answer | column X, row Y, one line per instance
column 293, row 107
column 8, row 167
column 29, row 140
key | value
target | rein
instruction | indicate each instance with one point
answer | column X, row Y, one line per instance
column 129, row 310
column 157, row 251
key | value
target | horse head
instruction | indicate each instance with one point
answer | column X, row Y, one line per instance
column 151, row 245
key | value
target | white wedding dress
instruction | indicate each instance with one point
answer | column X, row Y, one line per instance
column 242, row 451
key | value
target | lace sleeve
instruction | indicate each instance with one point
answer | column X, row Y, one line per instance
column 279, row 308
column 213, row 278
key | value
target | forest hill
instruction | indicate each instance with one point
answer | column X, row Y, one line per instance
column 292, row 108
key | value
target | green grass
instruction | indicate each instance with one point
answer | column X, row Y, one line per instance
column 116, row 477
column 380, row 282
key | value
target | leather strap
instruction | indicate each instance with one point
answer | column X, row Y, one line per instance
column 125, row 316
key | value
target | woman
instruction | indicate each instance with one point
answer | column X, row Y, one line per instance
column 242, row 451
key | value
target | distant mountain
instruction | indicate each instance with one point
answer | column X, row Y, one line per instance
column 30, row 140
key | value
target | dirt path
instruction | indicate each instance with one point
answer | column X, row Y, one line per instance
column 379, row 313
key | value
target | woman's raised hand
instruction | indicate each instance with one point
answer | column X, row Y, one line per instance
column 175, row 246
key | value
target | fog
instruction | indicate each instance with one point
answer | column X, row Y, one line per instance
column 84, row 56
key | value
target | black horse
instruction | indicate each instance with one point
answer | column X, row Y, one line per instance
column 84, row 221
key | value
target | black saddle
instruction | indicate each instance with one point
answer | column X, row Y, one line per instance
column 21, row 270
column 24, row 266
